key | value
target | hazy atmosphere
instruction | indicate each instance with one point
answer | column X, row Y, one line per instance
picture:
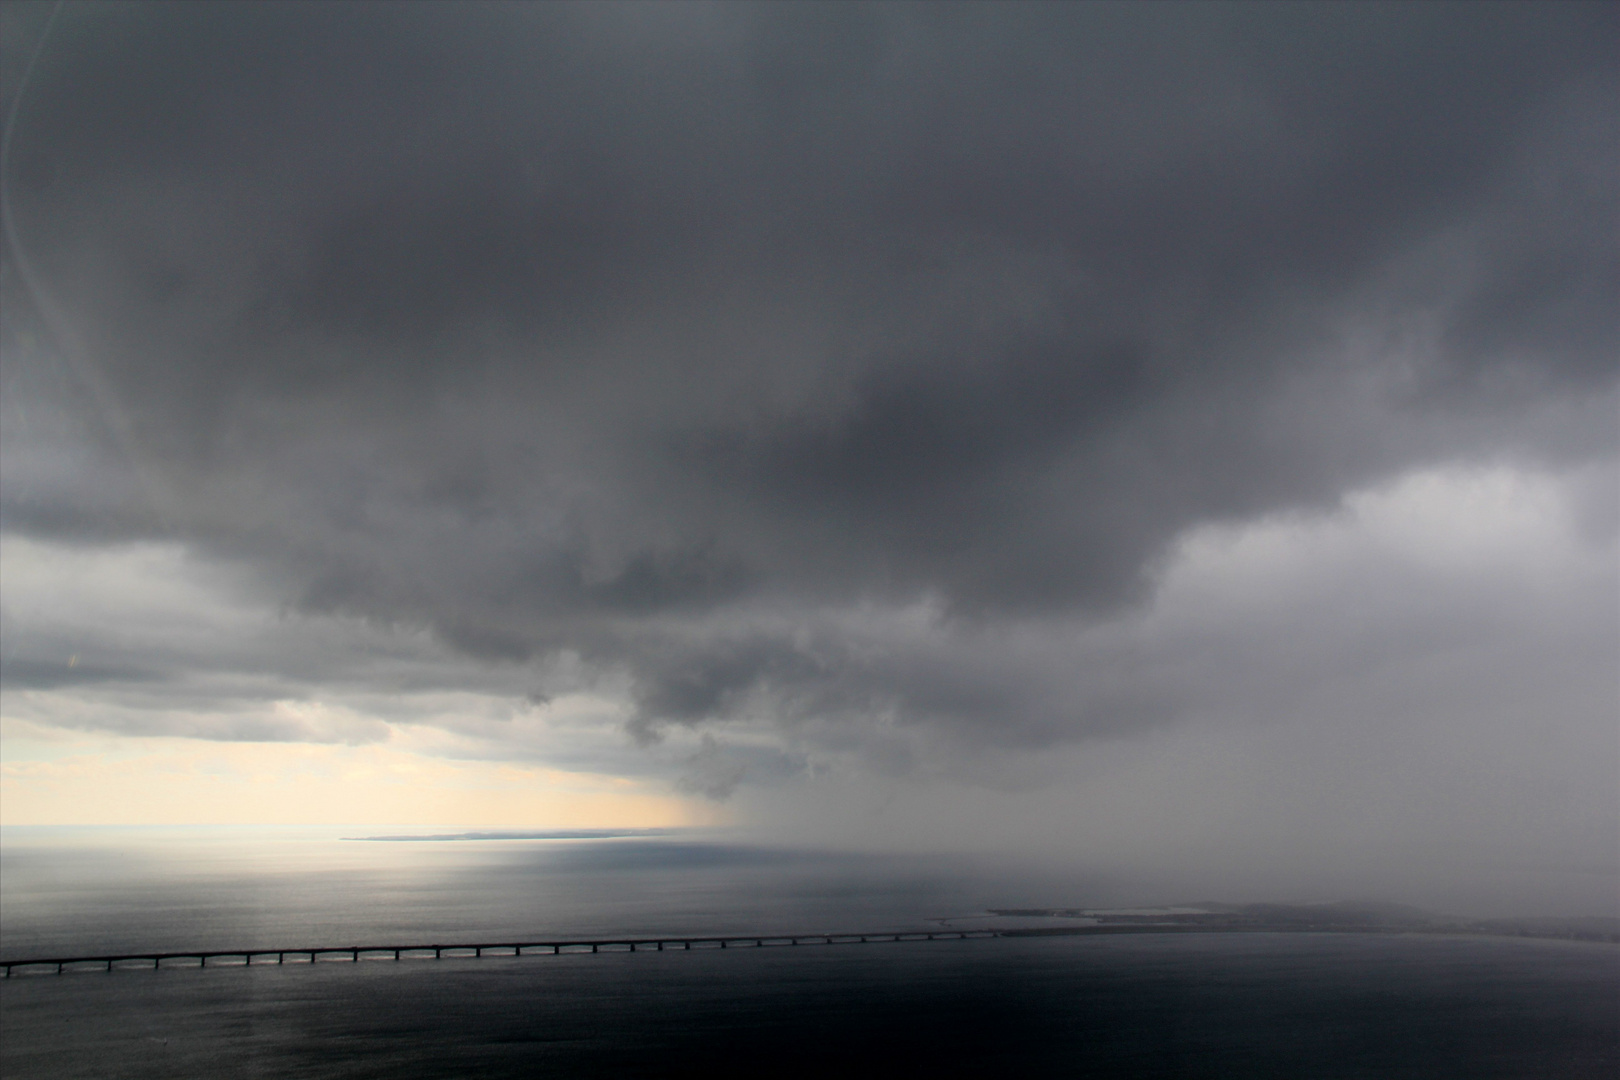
column 1178, row 443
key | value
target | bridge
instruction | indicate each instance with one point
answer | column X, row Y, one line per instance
column 356, row 953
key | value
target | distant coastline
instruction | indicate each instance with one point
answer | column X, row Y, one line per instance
column 546, row 834
column 1335, row 917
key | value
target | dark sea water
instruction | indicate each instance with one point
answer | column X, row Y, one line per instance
column 1186, row 1005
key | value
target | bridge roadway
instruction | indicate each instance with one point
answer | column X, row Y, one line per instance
column 354, row 953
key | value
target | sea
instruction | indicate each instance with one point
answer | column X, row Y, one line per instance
column 1306, row 1005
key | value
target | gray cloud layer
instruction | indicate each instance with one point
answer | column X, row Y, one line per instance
column 707, row 342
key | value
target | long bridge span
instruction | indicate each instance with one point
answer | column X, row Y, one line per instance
column 355, row 953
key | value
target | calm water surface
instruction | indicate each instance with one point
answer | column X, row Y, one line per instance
column 1261, row 1005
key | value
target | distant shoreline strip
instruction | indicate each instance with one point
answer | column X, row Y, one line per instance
column 548, row 834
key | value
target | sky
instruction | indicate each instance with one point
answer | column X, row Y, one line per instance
column 1174, row 438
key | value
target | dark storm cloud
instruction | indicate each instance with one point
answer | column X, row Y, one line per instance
column 628, row 329
column 30, row 674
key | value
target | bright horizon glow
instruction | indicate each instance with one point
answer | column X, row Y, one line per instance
column 55, row 777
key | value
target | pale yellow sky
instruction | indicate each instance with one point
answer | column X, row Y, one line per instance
column 57, row 777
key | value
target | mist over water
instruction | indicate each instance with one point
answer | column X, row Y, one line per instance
column 1183, row 1005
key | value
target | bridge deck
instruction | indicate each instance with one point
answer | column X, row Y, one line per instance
column 355, row 953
